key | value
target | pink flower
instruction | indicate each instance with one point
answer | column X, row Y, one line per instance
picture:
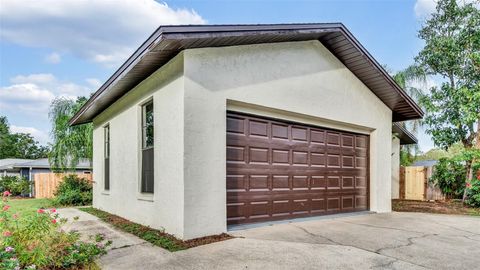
column 54, row 221
column 9, row 249
column 7, row 233
column 40, row 211
column 53, row 210
column 6, row 207
column 15, row 216
column 7, row 193
column 469, row 185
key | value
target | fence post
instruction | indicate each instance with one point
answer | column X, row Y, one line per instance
column 425, row 183
column 402, row 182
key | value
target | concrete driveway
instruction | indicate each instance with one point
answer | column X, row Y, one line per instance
column 369, row 241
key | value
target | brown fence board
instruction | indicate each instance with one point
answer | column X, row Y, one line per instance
column 414, row 184
column 45, row 184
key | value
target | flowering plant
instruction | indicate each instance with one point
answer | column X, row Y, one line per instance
column 38, row 242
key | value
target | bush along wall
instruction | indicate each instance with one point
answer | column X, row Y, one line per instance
column 17, row 186
column 473, row 192
column 73, row 190
column 449, row 175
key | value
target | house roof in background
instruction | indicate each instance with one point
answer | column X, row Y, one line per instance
column 167, row 41
column 403, row 134
column 425, row 163
column 13, row 163
column 43, row 163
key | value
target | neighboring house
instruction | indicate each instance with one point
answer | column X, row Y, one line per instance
column 6, row 166
column 401, row 136
column 29, row 167
column 215, row 125
column 425, row 163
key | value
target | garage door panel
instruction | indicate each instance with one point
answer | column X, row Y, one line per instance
column 278, row 170
column 348, row 202
column 236, row 183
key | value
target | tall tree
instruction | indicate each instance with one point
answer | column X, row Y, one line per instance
column 70, row 143
column 452, row 51
column 18, row 145
column 408, row 79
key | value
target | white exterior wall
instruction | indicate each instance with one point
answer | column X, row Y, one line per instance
column 165, row 208
column 299, row 81
column 395, row 168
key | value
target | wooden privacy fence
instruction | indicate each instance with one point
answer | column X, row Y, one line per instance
column 414, row 184
column 47, row 183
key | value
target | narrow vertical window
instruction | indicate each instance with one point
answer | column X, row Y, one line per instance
column 106, row 132
column 147, row 148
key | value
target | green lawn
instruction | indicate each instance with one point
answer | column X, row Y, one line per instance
column 28, row 207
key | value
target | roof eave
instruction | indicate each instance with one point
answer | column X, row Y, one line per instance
column 183, row 32
column 405, row 136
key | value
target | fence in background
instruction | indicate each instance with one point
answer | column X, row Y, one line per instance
column 414, row 184
column 46, row 183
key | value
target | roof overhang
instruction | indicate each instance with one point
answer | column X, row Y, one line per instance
column 168, row 41
column 403, row 134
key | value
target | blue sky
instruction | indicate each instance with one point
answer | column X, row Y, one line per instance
column 64, row 48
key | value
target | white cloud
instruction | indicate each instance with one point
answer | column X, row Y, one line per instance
column 423, row 8
column 32, row 94
column 94, row 83
column 106, row 32
column 53, row 58
column 28, row 97
column 40, row 136
column 39, row 78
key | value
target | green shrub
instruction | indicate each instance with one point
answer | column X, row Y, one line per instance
column 73, row 190
column 449, row 175
column 473, row 193
column 15, row 185
column 37, row 242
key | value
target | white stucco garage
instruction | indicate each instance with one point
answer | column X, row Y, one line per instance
column 166, row 156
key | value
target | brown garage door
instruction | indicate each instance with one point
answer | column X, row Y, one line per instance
column 281, row 170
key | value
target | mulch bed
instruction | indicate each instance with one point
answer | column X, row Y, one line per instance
column 453, row 207
column 156, row 237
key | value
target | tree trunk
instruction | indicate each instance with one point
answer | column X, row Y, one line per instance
column 469, row 177
column 477, row 136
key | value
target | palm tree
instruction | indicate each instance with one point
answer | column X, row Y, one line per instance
column 70, row 143
column 408, row 79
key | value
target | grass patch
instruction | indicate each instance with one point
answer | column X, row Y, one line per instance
column 156, row 237
column 28, row 207
column 453, row 207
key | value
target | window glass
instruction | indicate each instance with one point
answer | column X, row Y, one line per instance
column 106, row 167
column 147, row 148
column 148, row 125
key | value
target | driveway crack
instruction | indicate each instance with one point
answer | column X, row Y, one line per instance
column 409, row 243
column 317, row 235
column 409, row 240
column 385, row 265
column 382, row 227
column 126, row 246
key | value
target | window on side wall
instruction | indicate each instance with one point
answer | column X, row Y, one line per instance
column 147, row 148
column 106, row 166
